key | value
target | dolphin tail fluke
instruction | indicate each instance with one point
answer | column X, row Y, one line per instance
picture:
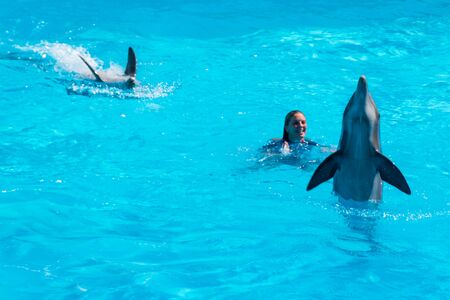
column 97, row 77
column 325, row 170
column 391, row 174
column 130, row 70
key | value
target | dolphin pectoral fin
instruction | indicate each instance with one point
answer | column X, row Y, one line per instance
column 325, row 170
column 130, row 70
column 391, row 174
column 97, row 77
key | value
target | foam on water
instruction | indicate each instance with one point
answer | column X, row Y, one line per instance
column 67, row 60
column 139, row 92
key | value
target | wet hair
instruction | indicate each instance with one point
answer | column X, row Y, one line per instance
column 287, row 119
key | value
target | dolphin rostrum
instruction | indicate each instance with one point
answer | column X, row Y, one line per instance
column 128, row 78
column 358, row 167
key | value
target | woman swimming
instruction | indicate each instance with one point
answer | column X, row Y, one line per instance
column 294, row 135
column 293, row 148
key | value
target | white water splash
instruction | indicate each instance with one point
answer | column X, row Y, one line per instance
column 140, row 92
column 67, row 59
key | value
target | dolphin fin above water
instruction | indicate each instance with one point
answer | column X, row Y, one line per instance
column 97, row 77
column 386, row 168
column 129, row 76
column 390, row 173
column 130, row 70
column 325, row 170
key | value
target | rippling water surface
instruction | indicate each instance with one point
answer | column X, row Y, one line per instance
column 161, row 192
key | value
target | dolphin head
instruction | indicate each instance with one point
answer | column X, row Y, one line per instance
column 361, row 89
column 360, row 124
column 361, row 103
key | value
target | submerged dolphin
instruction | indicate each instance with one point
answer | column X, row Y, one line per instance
column 358, row 165
column 128, row 78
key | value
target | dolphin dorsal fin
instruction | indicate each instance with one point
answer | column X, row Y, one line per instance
column 391, row 174
column 325, row 170
column 97, row 77
column 130, row 70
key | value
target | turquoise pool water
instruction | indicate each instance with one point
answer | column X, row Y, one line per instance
column 161, row 192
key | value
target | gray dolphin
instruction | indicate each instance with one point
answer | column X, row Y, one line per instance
column 358, row 167
column 128, row 78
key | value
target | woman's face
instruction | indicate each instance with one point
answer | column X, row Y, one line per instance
column 296, row 128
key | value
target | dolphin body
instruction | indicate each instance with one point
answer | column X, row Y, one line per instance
column 358, row 167
column 128, row 78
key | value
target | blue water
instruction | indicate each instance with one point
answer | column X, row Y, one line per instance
column 161, row 192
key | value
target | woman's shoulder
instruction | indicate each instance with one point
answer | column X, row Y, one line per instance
column 272, row 143
column 275, row 142
column 311, row 143
column 278, row 142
